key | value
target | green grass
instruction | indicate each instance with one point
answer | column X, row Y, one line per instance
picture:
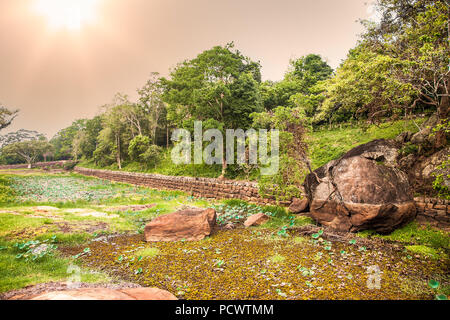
column 326, row 145
column 11, row 223
column 147, row 253
column 277, row 258
column 18, row 273
column 425, row 251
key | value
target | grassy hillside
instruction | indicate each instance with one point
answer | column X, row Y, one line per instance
column 324, row 145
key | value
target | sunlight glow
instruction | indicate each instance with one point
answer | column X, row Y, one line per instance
column 67, row 14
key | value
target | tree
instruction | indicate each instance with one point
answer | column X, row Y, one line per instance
column 220, row 85
column 414, row 34
column 293, row 159
column 298, row 88
column 119, row 127
column 364, row 86
column 29, row 150
column 88, row 140
column 62, row 142
column 151, row 104
column 7, row 116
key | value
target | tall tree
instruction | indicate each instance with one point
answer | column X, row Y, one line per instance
column 151, row 104
column 220, row 85
column 28, row 148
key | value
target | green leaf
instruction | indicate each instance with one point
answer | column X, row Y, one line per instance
column 352, row 241
column 441, row 297
column 433, row 284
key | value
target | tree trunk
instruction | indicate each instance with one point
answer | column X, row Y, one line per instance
column 224, row 165
column 119, row 164
column 29, row 165
column 441, row 139
column 167, row 136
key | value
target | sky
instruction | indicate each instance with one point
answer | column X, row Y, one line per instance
column 61, row 60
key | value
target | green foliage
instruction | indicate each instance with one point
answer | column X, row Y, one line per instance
column 29, row 150
column 138, row 145
column 292, row 161
column 442, row 176
column 425, row 251
column 7, row 194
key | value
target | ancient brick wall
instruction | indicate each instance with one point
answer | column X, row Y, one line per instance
column 435, row 211
column 198, row 187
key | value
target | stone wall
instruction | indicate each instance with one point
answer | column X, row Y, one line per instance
column 198, row 187
column 434, row 211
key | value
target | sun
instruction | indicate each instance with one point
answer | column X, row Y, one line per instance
column 67, row 14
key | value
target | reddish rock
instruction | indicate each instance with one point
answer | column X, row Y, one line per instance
column 149, row 294
column 190, row 225
column 362, row 190
column 299, row 205
column 107, row 294
column 256, row 220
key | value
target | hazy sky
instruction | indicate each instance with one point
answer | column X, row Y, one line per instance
column 56, row 69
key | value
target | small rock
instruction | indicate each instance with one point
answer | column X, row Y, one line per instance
column 299, row 205
column 256, row 220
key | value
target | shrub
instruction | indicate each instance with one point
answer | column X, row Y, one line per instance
column 70, row 165
column 7, row 194
column 152, row 155
column 138, row 146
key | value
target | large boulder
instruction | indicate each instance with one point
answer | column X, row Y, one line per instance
column 362, row 190
column 107, row 294
column 189, row 225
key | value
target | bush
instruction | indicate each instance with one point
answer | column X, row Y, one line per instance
column 7, row 194
column 138, row 146
column 151, row 156
column 70, row 165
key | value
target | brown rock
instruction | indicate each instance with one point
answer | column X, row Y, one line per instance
column 256, row 220
column 107, row 294
column 190, row 225
column 299, row 205
column 149, row 294
column 362, row 190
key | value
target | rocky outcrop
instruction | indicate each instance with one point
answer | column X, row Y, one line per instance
column 256, row 220
column 189, row 225
column 362, row 190
column 107, row 294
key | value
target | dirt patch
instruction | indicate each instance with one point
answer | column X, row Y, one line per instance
column 82, row 227
column 91, row 213
column 133, row 208
column 31, row 291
